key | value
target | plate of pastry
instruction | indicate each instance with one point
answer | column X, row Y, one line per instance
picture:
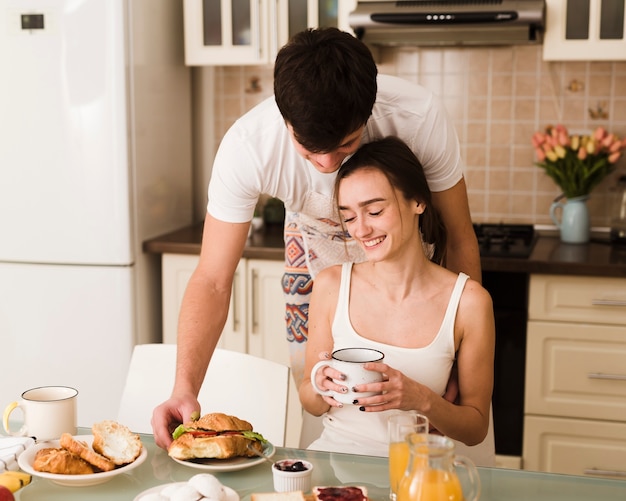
column 83, row 460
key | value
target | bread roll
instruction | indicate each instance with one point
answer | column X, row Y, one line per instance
column 82, row 450
column 222, row 447
column 116, row 442
column 60, row 461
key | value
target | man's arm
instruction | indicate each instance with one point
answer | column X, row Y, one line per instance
column 205, row 304
column 462, row 248
column 202, row 317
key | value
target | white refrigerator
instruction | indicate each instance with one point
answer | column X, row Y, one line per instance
column 95, row 157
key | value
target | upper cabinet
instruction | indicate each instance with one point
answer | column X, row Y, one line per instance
column 585, row 30
column 250, row 32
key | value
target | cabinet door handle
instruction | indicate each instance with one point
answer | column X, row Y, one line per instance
column 613, row 377
column 608, row 302
column 606, row 473
column 255, row 320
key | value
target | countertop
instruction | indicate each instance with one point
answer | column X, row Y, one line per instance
column 549, row 255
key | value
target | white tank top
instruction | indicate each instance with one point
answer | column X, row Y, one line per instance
column 349, row 430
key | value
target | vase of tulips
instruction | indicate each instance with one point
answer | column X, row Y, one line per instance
column 577, row 163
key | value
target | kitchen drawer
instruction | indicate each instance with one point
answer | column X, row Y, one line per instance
column 576, row 370
column 579, row 299
column 575, row 446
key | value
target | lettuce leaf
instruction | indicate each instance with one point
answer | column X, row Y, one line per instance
column 251, row 435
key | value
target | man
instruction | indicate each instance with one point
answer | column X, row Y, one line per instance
column 327, row 101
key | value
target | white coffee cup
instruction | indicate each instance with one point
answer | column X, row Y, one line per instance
column 49, row 411
column 350, row 362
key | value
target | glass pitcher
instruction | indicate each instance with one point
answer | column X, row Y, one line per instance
column 431, row 474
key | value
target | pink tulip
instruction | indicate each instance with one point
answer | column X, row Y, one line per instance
column 599, row 133
column 538, row 139
column 541, row 156
column 614, row 157
column 608, row 140
column 582, row 153
column 616, row 146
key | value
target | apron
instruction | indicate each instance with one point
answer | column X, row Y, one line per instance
column 314, row 240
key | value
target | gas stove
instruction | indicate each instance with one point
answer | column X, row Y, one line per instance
column 505, row 240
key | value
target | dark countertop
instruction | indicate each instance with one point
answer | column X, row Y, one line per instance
column 549, row 256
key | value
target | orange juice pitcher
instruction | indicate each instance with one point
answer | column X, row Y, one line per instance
column 434, row 473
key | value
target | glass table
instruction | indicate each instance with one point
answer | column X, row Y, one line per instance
column 329, row 469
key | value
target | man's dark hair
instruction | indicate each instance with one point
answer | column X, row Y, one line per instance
column 325, row 86
column 405, row 173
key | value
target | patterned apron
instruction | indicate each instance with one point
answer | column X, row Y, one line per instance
column 314, row 240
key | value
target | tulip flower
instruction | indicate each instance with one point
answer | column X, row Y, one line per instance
column 614, row 157
column 599, row 133
column 551, row 156
column 577, row 163
column 541, row 156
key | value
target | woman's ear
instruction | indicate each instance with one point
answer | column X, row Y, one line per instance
column 419, row 207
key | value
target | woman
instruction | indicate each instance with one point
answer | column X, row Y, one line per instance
column 403, row 302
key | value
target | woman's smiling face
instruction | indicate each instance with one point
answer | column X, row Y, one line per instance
column 377, row 214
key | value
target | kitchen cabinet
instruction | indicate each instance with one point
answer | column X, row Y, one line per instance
column 256, row 317
column 585, row 30
column 575, row 395
column 249, row 32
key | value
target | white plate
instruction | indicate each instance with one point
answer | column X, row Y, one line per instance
column 232, row 464
column 231, row 495
column 26, row 458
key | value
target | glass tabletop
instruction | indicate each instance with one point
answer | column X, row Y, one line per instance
column 329, row 469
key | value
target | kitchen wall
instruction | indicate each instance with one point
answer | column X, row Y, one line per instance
column 497, row 98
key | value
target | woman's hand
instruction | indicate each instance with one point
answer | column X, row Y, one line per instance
column 398, row 391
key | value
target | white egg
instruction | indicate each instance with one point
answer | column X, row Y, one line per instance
column 185, row 492
column 209, row 486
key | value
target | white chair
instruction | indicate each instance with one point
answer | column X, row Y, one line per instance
column 249, row 387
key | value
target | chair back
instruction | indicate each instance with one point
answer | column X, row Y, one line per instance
column 249, row 387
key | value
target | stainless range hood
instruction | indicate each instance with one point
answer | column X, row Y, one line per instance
column 449, row 22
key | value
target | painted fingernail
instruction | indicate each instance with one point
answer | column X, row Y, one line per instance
column 343, row 377
column 354, row 389
column 362, row 408
column 344, row 390
column 355, row 402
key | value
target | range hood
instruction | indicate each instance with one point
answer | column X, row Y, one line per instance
column 448, row 22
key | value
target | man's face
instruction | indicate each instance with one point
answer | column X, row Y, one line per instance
column 330, row 161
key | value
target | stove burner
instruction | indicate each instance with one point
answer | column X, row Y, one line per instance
column 505, row 240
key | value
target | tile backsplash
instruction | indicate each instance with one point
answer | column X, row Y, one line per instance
column 497, row 97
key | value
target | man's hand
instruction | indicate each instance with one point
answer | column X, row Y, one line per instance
column 167, row 416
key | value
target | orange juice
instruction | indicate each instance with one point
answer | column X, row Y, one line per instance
column 430, row 485
column 399, row 453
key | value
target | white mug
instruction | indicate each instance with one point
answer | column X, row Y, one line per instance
column 350, row 361
column 49, row 411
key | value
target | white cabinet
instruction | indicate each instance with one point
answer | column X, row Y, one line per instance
column 575, row 396
column 585, row 30
column 256, row 317
column 244, row 32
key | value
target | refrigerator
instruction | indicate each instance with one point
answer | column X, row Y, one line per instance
column 95, row 158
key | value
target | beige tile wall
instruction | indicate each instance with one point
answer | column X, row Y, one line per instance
column 497, row 98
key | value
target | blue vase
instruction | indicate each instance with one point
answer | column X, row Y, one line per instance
column 574, row 219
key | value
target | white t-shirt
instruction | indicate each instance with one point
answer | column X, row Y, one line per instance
column 257, row 156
